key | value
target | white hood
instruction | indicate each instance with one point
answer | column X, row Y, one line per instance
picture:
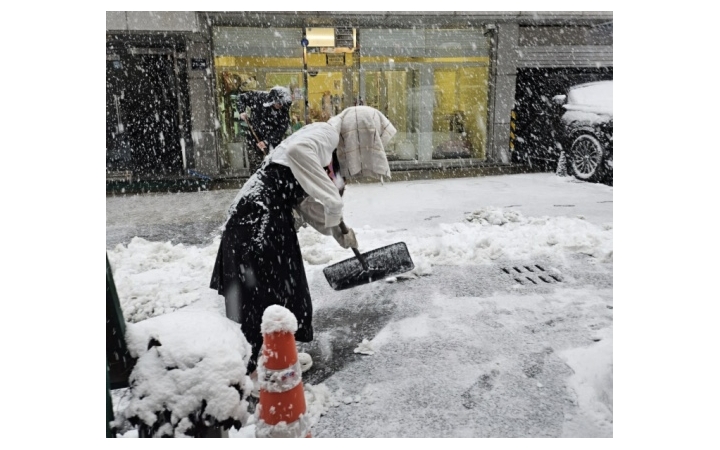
column 319, row 136
column 364, row 133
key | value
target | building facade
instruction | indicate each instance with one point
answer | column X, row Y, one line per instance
column 449, row 81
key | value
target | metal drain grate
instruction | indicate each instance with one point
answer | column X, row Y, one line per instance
column 533, row 274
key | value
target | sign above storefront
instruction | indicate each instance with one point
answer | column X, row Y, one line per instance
column 330, row 40
column 320, row 37
column 198, row 63
column 335, row 59
column 345, row 37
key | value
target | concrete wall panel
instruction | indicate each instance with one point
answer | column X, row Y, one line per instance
column 566, row 56
column 504, row 92
column 206, row 154
column 507, row 54
column 501, row 138
column 504, row 102
column 504, row 97
column 162, row 21
column 199, row 50
column 115, row 21
column 202, row 117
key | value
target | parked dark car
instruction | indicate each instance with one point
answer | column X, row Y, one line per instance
column 585, row 131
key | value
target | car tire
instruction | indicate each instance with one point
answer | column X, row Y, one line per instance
column 586, row 158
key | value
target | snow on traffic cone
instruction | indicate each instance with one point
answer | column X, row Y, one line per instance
column 281, row 409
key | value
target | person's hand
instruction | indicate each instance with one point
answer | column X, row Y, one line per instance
column 348, row 240
column 261, row 145
column 243, row 116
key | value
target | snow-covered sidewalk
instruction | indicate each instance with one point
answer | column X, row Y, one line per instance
column 504, row 328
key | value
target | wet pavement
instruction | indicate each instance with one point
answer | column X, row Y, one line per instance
column 190, row 218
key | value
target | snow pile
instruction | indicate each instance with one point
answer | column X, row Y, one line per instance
column 493, row 216
column 183, row 382
column 592, row 384
column 154, row 278
column 487, row 235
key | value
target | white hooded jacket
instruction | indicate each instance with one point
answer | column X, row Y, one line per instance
column 306, row 152
column 361, row 152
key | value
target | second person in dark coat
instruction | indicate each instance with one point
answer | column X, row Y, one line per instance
column 269, row 119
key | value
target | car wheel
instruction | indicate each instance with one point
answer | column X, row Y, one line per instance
column 586, row 158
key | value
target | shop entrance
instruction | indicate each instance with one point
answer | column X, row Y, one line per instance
column 142, row 111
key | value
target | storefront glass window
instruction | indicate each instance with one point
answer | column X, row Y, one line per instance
column 431, row 83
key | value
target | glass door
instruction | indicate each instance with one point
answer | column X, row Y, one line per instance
column 143, row 112
column 393, row 92
column 328, row 94
column 118, row 156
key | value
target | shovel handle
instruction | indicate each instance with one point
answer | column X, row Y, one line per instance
column 360, row 258
column 253, row 132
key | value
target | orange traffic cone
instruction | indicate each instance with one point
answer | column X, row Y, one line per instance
column 281, row 409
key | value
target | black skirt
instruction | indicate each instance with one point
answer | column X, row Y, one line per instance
column 259, row 263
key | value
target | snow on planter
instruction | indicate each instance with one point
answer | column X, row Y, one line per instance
column 190, row 374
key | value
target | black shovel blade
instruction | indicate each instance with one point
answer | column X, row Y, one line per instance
column 382, row 262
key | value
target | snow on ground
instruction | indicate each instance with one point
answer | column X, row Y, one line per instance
column 464, row 223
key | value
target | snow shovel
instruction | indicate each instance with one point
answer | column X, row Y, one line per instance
column 370, row 266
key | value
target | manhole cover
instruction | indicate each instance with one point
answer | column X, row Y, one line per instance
column 532, row 274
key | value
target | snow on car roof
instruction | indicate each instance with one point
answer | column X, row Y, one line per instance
column 592, row 97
